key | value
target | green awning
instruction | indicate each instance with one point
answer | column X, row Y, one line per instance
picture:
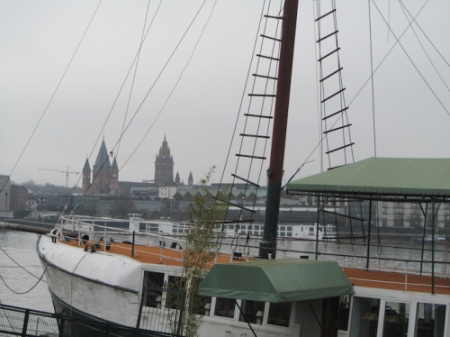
column 284, row 280
column 382, row 176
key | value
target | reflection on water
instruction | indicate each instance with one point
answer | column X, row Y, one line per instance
column 395, row 256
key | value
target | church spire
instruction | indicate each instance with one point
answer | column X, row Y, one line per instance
column 163, row 164
column 86, row 176
column 102, row 161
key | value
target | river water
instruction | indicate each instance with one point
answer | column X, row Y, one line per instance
column 18, row 252
column 20, row 268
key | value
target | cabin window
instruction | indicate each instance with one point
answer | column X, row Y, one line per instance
column 396, row 319
column 365, row 317
column 152, row 227
column 430, row 320
column 176, row 292
column 224, row 307
column 344, row 309
column 153, row 282
column 253, row 310
column 279, row 314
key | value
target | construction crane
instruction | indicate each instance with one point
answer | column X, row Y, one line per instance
column 67, row 172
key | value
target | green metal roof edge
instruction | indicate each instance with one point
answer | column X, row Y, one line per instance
column 284, row 280
column 390, row 176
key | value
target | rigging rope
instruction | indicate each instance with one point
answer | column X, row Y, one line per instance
column 409, row 58
column 130, row 94
column 178, row 80
column 54, row 93
column 18, row 264
column 135, row 61
column 423, row 48
column 426, row 36
column 27, row 291
column 120, row 90
column 261, row 28
column 413, row 64
column 372, row 84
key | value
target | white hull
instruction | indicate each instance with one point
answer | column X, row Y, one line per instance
column 106, row 286
column 71, row 277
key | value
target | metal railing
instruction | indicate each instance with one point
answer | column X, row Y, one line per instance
column 15, row 321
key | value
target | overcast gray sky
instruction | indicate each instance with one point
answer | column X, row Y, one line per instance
column 38, row 40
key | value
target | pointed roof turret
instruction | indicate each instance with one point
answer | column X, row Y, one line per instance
column 164, row 150
column 102, row 161
column 115, row 167
column 87, row 167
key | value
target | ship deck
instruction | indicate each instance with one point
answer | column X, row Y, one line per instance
column 399, row 281
column 148, row 253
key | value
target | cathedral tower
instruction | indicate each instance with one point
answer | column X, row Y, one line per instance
column 163, row 164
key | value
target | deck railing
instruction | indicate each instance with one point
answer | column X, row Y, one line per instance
column 403, row 257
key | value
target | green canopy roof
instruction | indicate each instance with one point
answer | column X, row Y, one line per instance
column 284, row 280
column 382, row 176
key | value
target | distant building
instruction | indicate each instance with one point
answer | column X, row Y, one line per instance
column 168, row 189
column 103, row 179
column 5, row 193
column 19, row 198
column 105, row 175
column 145, row 190
column 163, row 164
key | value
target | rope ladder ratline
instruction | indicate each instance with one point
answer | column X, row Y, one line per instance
column 258, row 110
column 333, row 108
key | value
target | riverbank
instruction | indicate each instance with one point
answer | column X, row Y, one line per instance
column 30, row 226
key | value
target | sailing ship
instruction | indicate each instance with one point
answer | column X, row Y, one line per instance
column 136, row 281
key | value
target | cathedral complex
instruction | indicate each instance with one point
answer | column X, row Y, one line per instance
column 104, row 177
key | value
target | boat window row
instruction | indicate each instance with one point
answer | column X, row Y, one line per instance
column 252, row 311
column 357, row 316
column 370, row 315
column 163, row 291
column 257, row 229
column 180, row 230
